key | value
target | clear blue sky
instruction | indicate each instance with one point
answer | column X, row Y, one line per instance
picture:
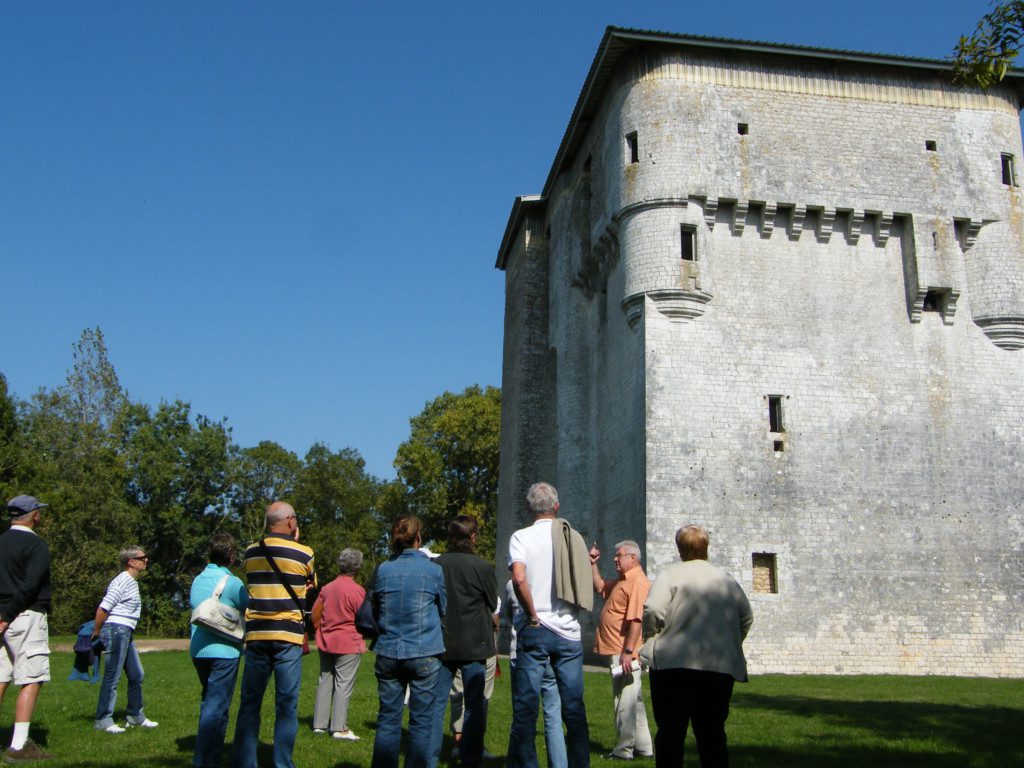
column 288, row 213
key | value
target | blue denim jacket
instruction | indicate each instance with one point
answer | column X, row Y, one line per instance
column 409, row 601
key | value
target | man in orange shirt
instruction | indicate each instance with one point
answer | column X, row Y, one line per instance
column 618, row 637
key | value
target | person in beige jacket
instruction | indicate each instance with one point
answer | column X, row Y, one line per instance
column 695, row 619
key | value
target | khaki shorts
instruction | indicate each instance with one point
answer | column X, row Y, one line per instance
column 25, row 651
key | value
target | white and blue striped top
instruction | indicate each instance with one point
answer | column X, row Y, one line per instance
column 122, row 601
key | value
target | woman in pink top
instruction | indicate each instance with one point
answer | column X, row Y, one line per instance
column 340, row 646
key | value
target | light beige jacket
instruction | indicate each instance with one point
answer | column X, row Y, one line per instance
column 696, row 617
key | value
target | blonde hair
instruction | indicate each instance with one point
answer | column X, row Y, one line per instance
column 692, row 542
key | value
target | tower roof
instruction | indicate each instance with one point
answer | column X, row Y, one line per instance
column 618, row 41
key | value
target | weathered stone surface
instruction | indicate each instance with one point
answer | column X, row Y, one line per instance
column 893, row 500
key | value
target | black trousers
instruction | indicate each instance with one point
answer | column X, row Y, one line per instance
column 683, row 696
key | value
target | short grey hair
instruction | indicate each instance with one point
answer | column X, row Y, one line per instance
column 349, row 561
column 279, row 511
column 630, row 547
column 541, row 499
column 130, row 553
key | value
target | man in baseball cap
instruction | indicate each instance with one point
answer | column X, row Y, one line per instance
column 24, row 633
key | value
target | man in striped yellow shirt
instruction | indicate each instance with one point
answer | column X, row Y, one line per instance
column 274, row 633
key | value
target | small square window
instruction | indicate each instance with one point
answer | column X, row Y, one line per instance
column 632, row 148
column 1009, row 175
column 930, row 146
column 742, row 129
column 766, row 581
column 688, row 237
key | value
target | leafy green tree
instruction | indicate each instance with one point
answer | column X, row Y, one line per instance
column 260, row 475
column 984, row 58
column 335, row 500
column 70, row 457
column 178, row 482
column 449, row 464
column 8, row 433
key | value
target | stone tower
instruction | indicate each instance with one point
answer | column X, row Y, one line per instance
column 779, row 292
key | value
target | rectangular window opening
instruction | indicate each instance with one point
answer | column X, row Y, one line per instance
column 778, row 446
column 766, row 580
column 775, row 413
column 1009, row 175
column 930, row 146
column 688, row 236
column 935, row 300
column 742, row 129
column 632, row 147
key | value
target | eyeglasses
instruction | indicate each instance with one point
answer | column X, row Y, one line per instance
column 143, row 558
column 623, row 554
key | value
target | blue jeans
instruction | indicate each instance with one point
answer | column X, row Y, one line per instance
column 217, row 676
column 119, row 653
column 393, row 675
column 284, row 661
column 554, row 739
column 535, row 647
column 471, row 748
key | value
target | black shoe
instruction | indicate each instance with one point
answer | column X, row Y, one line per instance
column 613, row 756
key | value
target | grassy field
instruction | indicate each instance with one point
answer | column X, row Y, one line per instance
column 775, row 721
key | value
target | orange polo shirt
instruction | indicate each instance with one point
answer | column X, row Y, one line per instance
column 624, row 603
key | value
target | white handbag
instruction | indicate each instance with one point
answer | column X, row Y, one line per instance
column 221, row 619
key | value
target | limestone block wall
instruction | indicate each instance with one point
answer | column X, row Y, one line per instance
column 831, row 385
column 900, row 425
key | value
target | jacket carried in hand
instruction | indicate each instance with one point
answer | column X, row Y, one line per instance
column 572, row 577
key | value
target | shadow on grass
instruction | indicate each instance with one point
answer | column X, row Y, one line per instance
column 846, row 733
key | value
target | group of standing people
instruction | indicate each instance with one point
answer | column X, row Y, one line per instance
column 435, row 620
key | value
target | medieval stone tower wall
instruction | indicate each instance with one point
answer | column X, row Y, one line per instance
column 784, row 298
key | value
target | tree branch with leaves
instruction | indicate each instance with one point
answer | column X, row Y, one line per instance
column 984, row 58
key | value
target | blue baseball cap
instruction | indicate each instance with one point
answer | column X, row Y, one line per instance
column 22, row 505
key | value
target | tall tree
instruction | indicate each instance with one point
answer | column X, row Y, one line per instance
column 984, row 58
column 260, row 475
column 8, row 449
column 449, row 464
column 71, row 458
column 178, row 481
column 335, row 500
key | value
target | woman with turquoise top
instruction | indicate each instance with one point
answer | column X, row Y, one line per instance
column 215, row 657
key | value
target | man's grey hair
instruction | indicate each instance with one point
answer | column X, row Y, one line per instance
column 349, row 561
column 630, row 547
column 279, row 511
column 129, row 553
column 541, row 499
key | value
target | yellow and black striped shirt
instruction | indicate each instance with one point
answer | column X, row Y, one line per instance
column 272, row 614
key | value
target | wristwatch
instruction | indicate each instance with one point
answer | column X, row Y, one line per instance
column 627, row 650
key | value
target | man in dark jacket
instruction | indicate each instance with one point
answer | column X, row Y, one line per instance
column 468, row 638
column 24, row 633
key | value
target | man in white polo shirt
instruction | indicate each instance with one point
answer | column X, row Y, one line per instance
column 548, row 630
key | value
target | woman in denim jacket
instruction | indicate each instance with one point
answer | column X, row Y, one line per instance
column 408, row 603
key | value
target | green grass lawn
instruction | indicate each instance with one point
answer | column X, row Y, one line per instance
column 776, row 720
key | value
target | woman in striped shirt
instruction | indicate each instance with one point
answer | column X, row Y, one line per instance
column 116, row 618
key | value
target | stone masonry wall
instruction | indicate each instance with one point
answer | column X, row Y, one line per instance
column 893, row 497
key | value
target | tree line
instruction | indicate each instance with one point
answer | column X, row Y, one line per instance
column 116, row 471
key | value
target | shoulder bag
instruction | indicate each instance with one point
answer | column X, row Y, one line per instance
column 219, row 618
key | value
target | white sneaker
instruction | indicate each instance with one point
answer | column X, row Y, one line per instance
column 113, row 728
column 346, row 735
column 146, row 723
column 319, row 731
